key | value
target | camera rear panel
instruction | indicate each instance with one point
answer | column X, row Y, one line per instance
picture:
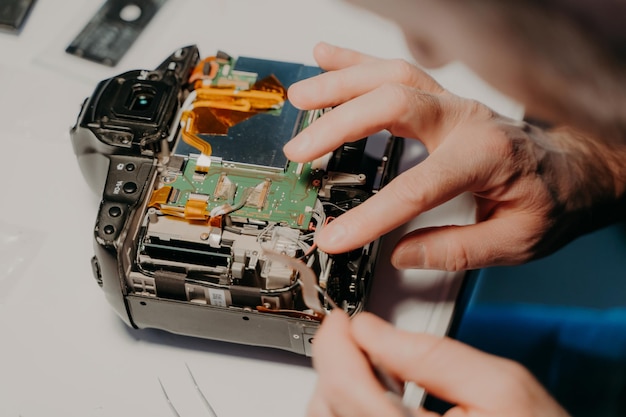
column 210, row 216
column 192, row 260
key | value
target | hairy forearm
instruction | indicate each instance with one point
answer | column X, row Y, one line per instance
column 589, row 161
column 586, row 178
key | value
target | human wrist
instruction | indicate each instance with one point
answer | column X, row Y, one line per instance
column 588, row 176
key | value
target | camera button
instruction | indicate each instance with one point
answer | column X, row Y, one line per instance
column 115, row 211
column 108, row 229
column 130, row 187
column 97, row 273
column 130, row 167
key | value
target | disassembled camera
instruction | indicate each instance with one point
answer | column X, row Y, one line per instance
column 195, row 187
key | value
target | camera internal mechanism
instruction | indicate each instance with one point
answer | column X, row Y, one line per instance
column 195, row 187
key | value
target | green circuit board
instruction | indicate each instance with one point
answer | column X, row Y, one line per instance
column 285, row 197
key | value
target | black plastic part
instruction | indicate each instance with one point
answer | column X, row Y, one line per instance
column 108, row 125
column 245, row 296
column 95, row 268
column 170, row 285
column 112, row 283
column 110, row 32
column 349, row 157
column 122, row 191
column 14, row 13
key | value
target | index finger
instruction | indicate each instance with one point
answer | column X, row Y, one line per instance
column 404, row 111
column 434, row 181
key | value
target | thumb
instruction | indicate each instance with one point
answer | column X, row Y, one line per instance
column 452, row 371
column 497, row 241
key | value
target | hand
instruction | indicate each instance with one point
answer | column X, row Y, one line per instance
column 535, row 190
column 478, row 384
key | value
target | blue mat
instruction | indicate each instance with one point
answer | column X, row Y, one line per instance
column 563, row 317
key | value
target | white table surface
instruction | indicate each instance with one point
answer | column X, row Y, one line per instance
column 63, row 351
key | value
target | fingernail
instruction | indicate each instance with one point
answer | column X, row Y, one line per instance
column 324, row 47
column 297, row 146
column 411, row 256
column 294, row 88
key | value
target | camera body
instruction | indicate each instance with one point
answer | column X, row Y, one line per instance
column 188, row 160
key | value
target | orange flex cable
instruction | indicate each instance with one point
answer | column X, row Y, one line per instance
column 160, row 196
column 189, row 133
column 196, row 210
column 199, row 72
column 234, row 104
column 256, row 99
